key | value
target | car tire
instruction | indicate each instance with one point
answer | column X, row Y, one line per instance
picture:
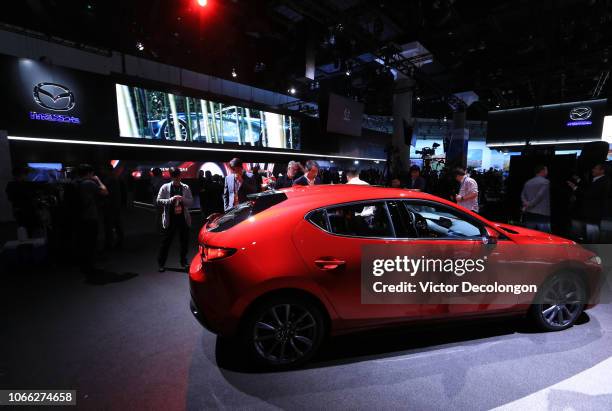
column 559, row 302
column 279, row 338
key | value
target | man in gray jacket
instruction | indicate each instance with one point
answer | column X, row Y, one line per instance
column 175, row 199
column 536, row 200
column 238, row 185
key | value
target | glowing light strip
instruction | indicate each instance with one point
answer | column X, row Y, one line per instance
column 543, row 142
column 540, row 143
column 224, row 150
column 516, row 143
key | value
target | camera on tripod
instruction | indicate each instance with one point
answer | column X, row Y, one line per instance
column 428, row 152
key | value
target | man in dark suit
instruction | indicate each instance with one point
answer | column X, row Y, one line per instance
column 238, row 185
column 415, row 182
column 311, row 177
column 293, row 170
column 595, row 202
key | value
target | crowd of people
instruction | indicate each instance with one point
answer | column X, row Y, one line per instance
column 75, row 211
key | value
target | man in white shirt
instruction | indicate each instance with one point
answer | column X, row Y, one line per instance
column 468, row 190
column 352, row 177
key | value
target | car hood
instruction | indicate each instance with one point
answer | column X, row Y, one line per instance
column 522, row 234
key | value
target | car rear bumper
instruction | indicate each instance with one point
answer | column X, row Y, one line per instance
column 199, row 315
column 211, row 303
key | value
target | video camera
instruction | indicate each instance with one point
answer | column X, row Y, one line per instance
column 428, row 152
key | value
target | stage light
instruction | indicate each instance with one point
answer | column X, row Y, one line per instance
column 139, row 46
column 348, row 72
column 445, row 119
column 418, row 98
column 356, row 162
column 202, row 3
column 291, row 90
column 234, row 74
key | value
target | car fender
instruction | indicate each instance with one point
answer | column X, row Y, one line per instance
column 280, row 283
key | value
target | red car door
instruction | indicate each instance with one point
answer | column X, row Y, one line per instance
column 330, row 241
column 459, row 236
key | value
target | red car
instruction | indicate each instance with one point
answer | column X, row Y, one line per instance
column 283, row 271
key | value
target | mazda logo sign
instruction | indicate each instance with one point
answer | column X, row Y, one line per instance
column 53, row 96
column 347, row 114
column 580, row 113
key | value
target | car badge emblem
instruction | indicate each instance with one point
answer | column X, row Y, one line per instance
column 53, row 96
column 580, row 113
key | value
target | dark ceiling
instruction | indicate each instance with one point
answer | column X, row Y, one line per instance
column 511, row 53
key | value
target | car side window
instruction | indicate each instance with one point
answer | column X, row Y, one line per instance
column 360, row 220
column 403, row 220
column 438, row 221
column 319, row 219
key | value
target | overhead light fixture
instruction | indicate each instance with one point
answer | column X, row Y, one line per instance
column 202, row 3
column 234, row 74
column 139, row 46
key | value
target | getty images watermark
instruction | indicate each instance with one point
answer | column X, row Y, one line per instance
column 412, row 267
column 474, row 273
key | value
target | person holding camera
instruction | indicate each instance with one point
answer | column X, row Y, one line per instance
column 175, row 199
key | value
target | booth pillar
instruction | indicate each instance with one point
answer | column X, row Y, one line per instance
column 456, row 154
column 5, row 176
column 402, row 125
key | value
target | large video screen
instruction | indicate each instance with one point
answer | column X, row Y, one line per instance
column 159, row 115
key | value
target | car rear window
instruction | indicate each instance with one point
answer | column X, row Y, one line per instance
column 255, row 204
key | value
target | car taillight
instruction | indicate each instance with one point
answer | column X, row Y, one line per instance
column 214, row 253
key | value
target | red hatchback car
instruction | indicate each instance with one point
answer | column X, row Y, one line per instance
column 282, row 271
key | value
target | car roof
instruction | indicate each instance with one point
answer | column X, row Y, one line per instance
column 343, row 193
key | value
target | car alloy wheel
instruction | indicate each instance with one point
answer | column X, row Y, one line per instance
column 182, row 129
column 560, row 302
column 286, row 333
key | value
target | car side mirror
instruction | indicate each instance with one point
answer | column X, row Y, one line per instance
column 490, row 237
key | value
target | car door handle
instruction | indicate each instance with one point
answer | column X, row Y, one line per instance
column 329, row 264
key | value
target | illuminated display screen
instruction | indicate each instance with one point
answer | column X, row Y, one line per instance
column 159, row 115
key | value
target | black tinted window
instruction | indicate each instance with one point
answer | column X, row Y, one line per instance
column 403, row 221
column 360, row 220
column 438, row 221
column 319, row 219
column 255, row 204
column 234, row 216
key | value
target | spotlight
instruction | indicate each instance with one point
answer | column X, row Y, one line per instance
column 234, row 74
column 445, row 119
column 291, row 90
column 497, row 106
column 202, row 3
column 331, row 161
column 356, row 162
column 418, row 98
column 139, row 46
